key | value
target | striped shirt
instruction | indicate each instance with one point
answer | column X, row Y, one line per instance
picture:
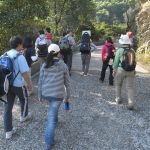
column 53, row 81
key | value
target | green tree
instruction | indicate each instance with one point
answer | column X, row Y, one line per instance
column 18, row 18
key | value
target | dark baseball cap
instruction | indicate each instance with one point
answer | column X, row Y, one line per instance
column 69, row 30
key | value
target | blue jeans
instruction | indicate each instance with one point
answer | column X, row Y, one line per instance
column 52, row 121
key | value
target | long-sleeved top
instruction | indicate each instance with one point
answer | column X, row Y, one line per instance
column 30, row 55
column 71, row 41
column 52, row 81
column 119, row 58
column 105, row 50
column 41, row 45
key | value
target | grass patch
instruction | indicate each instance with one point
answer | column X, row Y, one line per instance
column 144, row 58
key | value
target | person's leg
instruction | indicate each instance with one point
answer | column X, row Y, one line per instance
column 104, row 67
column 29, row 74
column 83, row 62
column 8, row 110
column 51, row 123
column 21, row 92
column 130, row 88
column 120, row 75
column 111, row 78
column 41, row 60
column 87, row 63
column 69, row 60
column 65, row 58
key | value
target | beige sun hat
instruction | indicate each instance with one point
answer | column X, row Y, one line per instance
column 124, row 39
column 53, row 48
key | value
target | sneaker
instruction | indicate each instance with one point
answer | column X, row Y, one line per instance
column 22, row 119
column 49, row 147
column 130, row 107
column 111, row 84
column 118, row 101
column 85, row 75
column 10, row 133
column 101, row 80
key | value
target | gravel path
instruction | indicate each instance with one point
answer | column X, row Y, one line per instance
column 95, row 121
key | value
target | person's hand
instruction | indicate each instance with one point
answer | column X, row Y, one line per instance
column 114, row 73
column 29, row 87
column 41, row 100
column 68, row 100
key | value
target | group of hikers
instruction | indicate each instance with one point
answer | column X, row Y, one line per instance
column 55, row 62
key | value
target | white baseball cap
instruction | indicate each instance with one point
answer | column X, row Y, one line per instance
column 53, row 48
column 124, row 39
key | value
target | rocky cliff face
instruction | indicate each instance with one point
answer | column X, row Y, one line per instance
column 143, row 22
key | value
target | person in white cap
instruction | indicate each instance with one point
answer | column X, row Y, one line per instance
column 54, row 76
column 124, row 68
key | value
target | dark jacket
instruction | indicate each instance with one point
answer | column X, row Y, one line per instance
column 29, row 53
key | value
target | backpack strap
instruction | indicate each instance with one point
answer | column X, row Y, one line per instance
column 15, row 57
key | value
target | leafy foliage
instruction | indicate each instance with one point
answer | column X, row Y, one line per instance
column 112, row 11
column 18, row 18
column 102, row 17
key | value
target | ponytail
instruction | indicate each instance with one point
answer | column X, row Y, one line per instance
column 50, row 59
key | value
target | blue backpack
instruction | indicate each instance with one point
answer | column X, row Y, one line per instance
column 6, row 73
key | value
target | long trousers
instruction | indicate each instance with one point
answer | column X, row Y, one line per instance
column 21, row 92
column 104, row 67
column 85, row 63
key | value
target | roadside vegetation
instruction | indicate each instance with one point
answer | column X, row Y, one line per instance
column 27, row 17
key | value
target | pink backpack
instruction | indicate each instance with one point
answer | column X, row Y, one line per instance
column 23, row 52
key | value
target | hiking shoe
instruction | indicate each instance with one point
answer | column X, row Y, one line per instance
column 130, row 107
column 49, row 147
column 101, row 80
column 85, row 75
column 10, row 133
column 111, row 84
column 118, row 101
column 22, row 119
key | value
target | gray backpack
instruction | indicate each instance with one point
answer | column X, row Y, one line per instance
column 64, row 45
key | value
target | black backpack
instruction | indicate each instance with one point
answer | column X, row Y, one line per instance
column 111, row 53
column 6, row 73
column 42, row 50
column 85, row 43
column 128, row 62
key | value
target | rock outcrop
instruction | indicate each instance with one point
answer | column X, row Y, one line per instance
column 143, row 23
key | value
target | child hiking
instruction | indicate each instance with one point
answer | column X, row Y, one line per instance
column 54, row 75
column 18, row 88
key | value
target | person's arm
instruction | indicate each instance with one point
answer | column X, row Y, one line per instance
column 40, row 85
column 67, row 83
column 23, row 67
column 71, row 41
column 104, row 53
column 33, row 56
column 94, row 47
column 50, row 36
column 36, row 42
column 26, row 78
column 78, row 42
column 117, row 59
